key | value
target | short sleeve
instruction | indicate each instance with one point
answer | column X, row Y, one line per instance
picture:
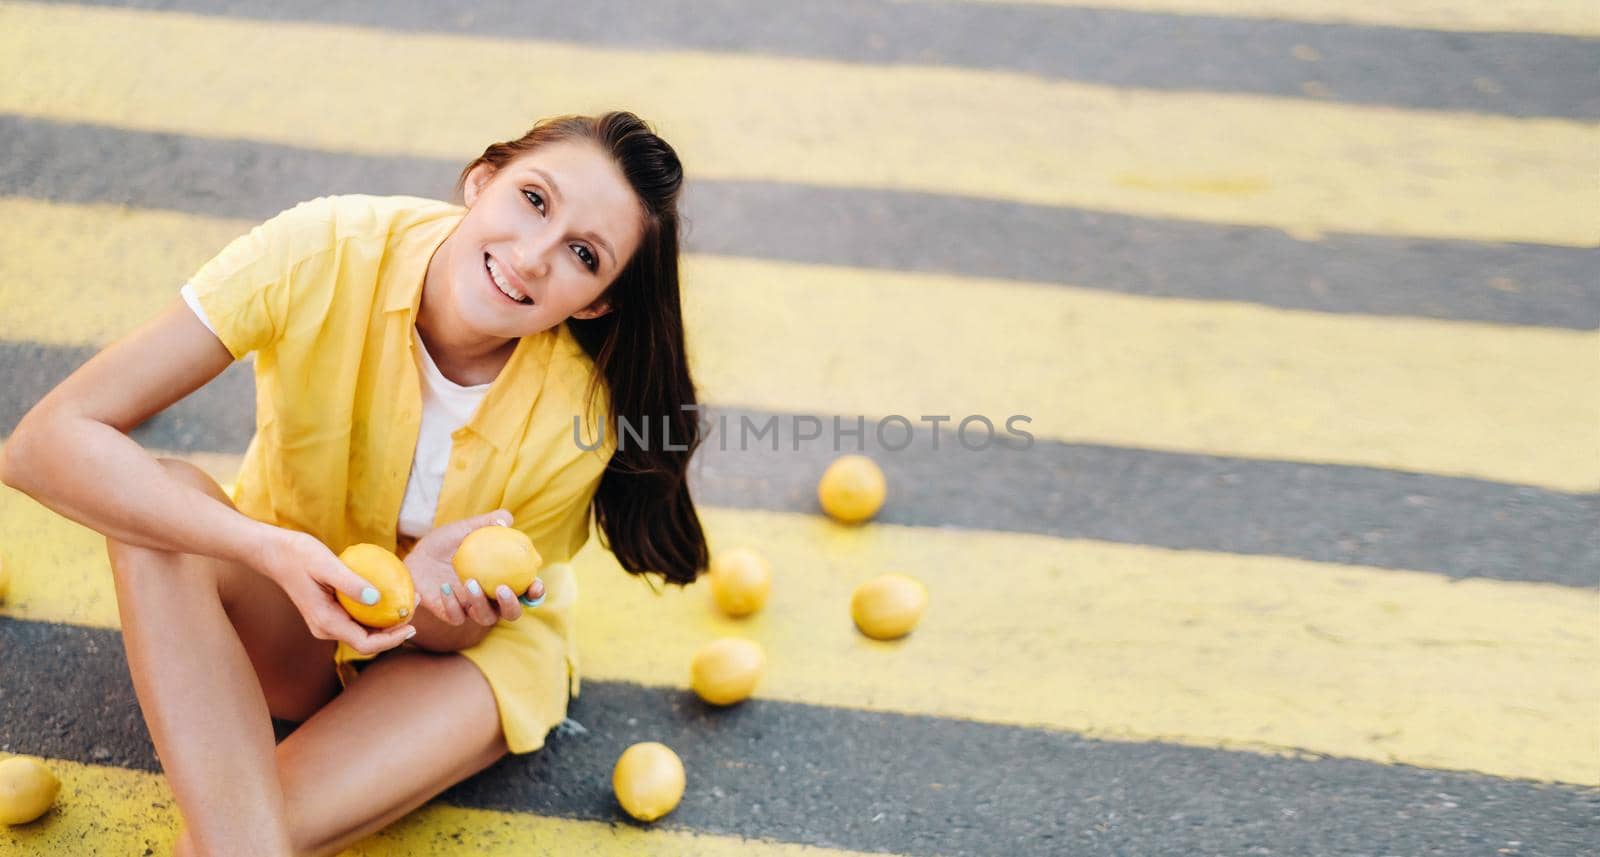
column 187, row 292
column 246, row 291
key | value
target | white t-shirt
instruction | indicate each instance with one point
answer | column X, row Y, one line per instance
column 446, row 406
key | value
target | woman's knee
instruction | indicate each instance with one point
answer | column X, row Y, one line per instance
column 133, row 564
column 192, row 475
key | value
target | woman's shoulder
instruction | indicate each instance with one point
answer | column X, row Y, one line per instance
column 570, row 365
column 318, row 225
column 357, row 214
column 576, row 388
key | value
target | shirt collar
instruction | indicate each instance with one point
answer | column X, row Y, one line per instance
column 411, row 252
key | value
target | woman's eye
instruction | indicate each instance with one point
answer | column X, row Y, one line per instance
column 535, row 198
column 589, row 261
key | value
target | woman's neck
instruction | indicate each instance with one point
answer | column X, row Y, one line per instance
column 461, row 363
column 463, row 358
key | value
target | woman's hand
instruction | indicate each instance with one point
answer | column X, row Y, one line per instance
column 446, row 595
column 309, row 574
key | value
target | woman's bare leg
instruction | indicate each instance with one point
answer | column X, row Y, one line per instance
column 414, row 724
column 197, row 631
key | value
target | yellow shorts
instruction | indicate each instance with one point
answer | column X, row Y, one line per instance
column 531, row 664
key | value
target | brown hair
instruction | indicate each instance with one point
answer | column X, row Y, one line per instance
column 642, row 506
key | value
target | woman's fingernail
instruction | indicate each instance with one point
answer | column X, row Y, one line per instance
column 411, row 632
column 534, row 603
column 504, row 591
column 474, row 588
column 445, row 588
column 369, row 595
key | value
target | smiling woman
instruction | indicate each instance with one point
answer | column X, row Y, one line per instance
column 580, row 216
column 418, row 364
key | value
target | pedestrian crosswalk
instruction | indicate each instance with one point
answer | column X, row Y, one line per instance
column 1257, row 663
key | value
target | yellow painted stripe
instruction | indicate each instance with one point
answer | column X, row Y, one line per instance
column 131, row 260
column 119, row 811
column 1210, row 377
column 1560, row 17
column 1301, row 166
column 1116, row 641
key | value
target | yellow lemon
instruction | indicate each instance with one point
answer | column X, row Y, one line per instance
column 725, row 671
column 888, row 606
column 27, row 789
column 385, row 571
column 5, row 579
column 648, row 780
column 851, row 489
column 740, row 581
column 498, row 555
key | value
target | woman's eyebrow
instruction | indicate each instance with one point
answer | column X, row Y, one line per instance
column 591, row 235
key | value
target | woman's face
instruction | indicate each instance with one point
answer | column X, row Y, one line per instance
column 558, row 223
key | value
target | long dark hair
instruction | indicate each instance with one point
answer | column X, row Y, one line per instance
column 642, row 506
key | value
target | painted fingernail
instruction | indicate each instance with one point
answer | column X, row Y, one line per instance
column 474, row 588
column 411, row 632
column 369, row 595
column 445, row 587
column 504, row 591
column 534, row 603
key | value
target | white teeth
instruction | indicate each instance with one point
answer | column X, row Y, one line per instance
column 500, row 283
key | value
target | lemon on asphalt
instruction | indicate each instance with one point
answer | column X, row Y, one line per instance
column 851, row 489
column 27, row 789
column 648, row 780
column 496, row 555
column 726, row 671
column 740, row 580
column 888, row 606
column 389, row 575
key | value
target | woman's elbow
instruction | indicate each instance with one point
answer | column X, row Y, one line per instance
column 20, row 453
column 13, row 456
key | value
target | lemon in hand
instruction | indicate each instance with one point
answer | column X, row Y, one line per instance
column 725, row 671
column 740, row 580
column 888, row 606
column 27, row 789
column 851, row 489
column 389, row 575
column 498, row 555
column 648, row 780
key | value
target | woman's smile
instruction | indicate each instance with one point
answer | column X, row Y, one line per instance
column 490, row 269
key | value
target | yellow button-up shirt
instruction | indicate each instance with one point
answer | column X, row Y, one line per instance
column 325, row 295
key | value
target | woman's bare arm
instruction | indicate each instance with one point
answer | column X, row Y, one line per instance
column 71, row 452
